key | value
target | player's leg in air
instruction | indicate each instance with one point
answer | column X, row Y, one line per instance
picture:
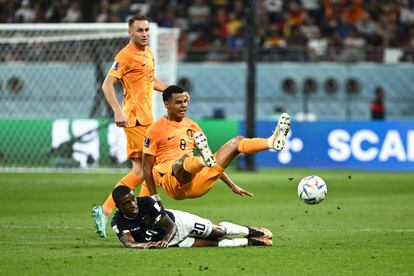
column 135, row 138
column 241, row 144
column 187, row 169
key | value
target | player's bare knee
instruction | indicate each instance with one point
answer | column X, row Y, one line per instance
column 217, row 232
column 137, row 167
column 139, row 173
column 178, row 164
column 179, row 172
column 236, row 141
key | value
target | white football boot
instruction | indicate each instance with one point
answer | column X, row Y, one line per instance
column 200, row 143
column 278, row 139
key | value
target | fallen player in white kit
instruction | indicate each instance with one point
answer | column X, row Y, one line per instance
column 140, row 222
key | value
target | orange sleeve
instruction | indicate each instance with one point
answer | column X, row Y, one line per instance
column 120, row 66
column 150, row 141
column 196, row 127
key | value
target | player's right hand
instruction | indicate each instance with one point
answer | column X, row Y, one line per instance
column 162, row 244
column 240, row 191
column 121, row 119
column 151, row 245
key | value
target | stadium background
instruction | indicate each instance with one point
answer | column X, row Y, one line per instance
column 319, row 60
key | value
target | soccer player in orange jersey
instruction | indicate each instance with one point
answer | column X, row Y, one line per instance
column 168, row 158
column 134, row 68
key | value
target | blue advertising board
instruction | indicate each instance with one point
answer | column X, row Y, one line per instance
column 387, row 145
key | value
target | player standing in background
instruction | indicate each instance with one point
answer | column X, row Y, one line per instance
column 378, row 105
column 134, row 68
column 168, row 152
column 142, row 223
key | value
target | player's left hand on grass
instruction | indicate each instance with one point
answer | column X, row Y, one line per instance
column 240, row 191
column 162, row 244
column 151, row 245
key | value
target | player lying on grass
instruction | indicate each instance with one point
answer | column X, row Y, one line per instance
column 168, row 159
column 141, row 223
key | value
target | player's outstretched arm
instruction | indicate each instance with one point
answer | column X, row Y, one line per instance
column 236, row 189
column 108, row 88
column 170, row 229
column 129, row 242
column 159, row 85
column 148, row 162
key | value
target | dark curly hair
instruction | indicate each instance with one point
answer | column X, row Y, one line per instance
column 119, row 192
column 166, row 95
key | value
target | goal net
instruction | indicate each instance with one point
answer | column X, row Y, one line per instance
column 53, row 113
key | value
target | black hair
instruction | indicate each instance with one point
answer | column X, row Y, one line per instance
column 166, row 95
column 136, row 18
column 119, row 192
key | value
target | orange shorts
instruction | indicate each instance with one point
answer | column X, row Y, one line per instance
column 202, row 182
column 135, row 141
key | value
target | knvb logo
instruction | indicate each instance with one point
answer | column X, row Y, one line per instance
column 291, row 145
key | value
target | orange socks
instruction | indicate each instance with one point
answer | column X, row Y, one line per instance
column 193, row 164
column 252, row 145
column 131, row 180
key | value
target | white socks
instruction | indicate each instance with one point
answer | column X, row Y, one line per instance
column 234, row 229
column 233, row 242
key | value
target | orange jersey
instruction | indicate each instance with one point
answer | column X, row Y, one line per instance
column 135, row 70
column 169, row 140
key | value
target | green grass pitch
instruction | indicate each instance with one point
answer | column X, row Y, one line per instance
column 364, row 227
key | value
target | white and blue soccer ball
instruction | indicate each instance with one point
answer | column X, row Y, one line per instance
column 312, row 189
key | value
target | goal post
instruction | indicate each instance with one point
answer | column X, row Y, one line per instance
column 51, row 76
column 165, row 46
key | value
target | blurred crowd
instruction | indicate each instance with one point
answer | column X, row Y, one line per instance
column 215, row 30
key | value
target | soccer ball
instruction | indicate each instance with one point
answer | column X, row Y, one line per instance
column 312, row 189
